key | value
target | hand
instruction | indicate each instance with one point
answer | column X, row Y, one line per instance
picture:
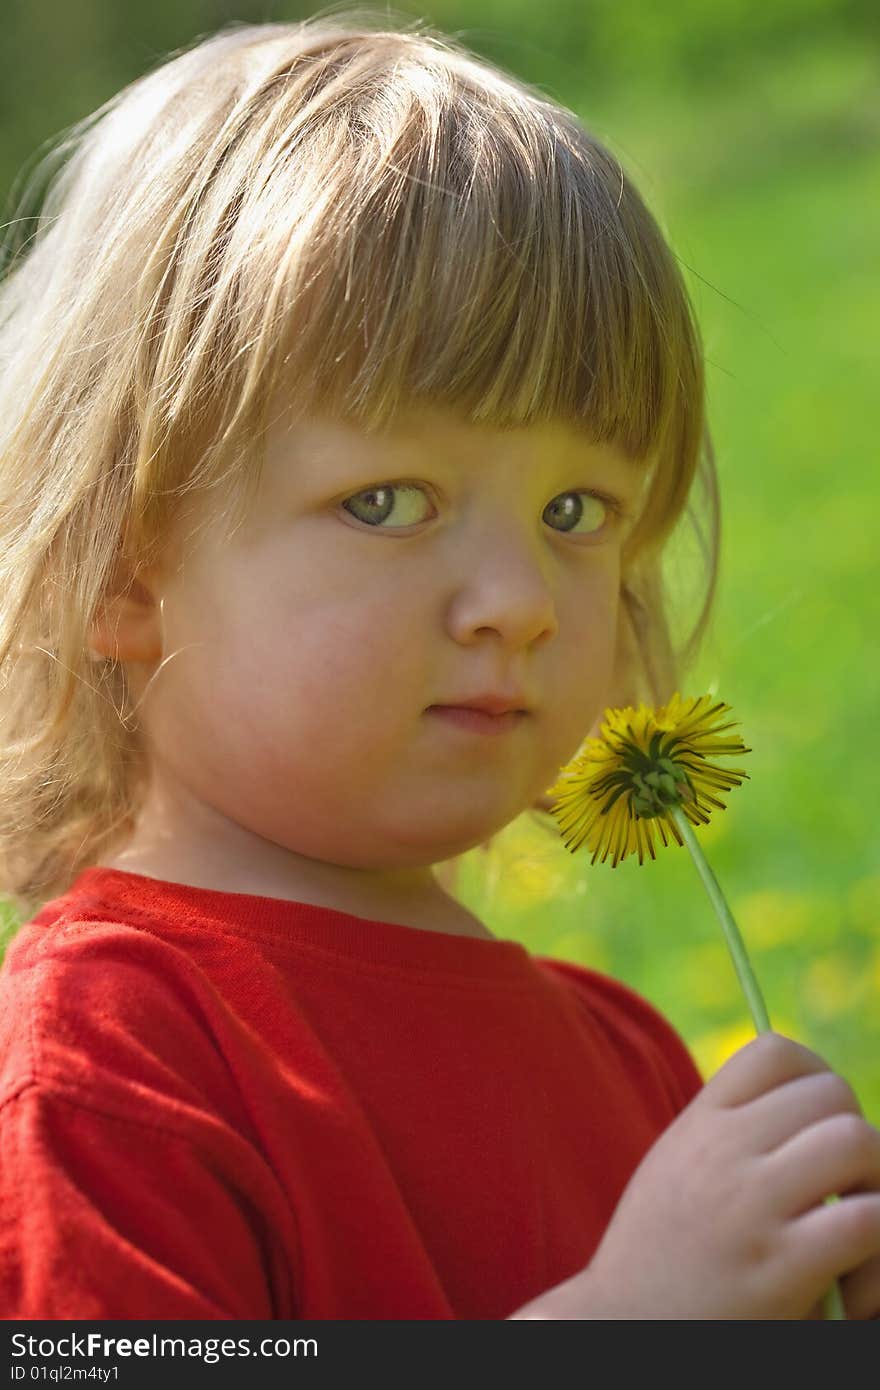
column 725, row 1216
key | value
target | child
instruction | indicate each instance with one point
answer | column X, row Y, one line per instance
column 346, row 383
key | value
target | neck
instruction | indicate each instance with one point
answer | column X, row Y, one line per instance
column 179, row 840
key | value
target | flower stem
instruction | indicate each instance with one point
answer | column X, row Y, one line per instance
column 735, row 943
column 833, row 1303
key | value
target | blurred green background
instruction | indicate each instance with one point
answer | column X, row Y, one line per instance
column 752, row 129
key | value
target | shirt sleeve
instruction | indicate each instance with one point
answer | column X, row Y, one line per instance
column 650, row 1047
column 132, row 1184
column 105, row 1216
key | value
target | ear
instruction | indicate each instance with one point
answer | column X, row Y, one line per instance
column 127, row 625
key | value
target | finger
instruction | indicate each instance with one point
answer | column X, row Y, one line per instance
column 767, row 1062
column 796, row 1105
column 835, row 1156
column 861, row 1290
column 838, row 1240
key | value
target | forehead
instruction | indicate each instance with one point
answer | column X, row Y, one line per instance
column 314, row 443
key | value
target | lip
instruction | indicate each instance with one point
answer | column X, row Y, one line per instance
column 490, row 703
column 478, row 721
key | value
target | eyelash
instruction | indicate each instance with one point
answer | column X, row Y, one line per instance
column 614, row 505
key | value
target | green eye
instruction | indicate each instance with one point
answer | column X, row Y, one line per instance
column 570, row 508
column 375, row 506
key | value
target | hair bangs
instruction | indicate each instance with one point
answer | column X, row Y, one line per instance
column 470, row 250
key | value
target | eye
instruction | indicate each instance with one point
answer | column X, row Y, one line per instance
column 592, row 507
column 376, row 504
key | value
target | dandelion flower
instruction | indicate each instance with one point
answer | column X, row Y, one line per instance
column 621, row 787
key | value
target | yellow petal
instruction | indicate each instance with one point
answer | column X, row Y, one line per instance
column 602, row 801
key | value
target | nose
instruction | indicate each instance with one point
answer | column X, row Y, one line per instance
column 504, row 588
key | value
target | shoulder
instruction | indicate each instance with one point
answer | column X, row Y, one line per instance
column 104, row 1013
column 637, row 1031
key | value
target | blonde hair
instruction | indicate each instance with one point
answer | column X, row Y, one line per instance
column 365, row 217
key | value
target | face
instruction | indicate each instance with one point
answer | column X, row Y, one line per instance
column 378, row 576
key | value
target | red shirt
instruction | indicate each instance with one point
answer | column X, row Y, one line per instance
column 216, row 1105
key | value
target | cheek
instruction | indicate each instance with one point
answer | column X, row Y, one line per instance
column 591, row 627
column 336, row 658
column 587, row 659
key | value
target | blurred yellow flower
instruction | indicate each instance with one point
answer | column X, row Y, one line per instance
column 873, row 974
column 833, row 987
column 711, row 1050
column 772, row 917
column 621, row 786
column 864, row 904
column 704, row 978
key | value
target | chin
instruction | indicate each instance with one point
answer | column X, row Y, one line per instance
column 435, row 851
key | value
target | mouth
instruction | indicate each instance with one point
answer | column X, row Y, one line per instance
column 478, row 721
